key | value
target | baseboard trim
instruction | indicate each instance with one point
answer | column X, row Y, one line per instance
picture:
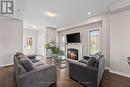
column 6, row 65
column 119, row 73
column 107, row 68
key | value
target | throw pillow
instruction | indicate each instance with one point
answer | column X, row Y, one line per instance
column 18, row 53
column 26, row 63
column 21, row 56
column 31, row 56
column 86, row 57
column 98, row 55
column 36, row 64
column 34, row 60
column 21, row 69
column 91, row 61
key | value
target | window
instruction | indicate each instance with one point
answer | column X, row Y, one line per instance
column 62, row 42
column 94, row 39
column 28, row 42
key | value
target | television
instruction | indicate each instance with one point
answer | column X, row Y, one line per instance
column 73, row 38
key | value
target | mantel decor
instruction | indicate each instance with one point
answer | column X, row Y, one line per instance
column 57, row 53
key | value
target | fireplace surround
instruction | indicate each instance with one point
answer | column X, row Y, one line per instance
column 74, row 46
column 72, row 53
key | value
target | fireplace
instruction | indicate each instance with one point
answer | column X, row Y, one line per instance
column 72, row 53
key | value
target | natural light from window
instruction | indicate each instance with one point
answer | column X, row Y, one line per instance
column 94, row 41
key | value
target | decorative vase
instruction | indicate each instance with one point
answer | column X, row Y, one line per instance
column 56, row 57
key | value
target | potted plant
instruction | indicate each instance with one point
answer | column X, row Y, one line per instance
column 56, row 51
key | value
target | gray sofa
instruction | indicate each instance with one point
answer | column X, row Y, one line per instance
column 42, row 75
column 89, row 76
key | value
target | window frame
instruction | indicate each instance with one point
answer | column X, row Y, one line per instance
column 62, row 43
column 100, row 39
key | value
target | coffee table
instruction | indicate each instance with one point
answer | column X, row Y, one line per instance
column 61, row 63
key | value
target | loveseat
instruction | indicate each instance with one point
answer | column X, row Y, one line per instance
column 88, row 75
column 41, row 75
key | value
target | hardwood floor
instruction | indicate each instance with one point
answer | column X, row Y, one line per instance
column 7, row 77
column 109, row 79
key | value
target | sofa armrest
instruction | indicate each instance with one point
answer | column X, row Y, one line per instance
column 101, row 68
column 31, row 56
column 84, row 66
column 83, row 73
column 86, row 57
column 37, row 71
column 37, row 77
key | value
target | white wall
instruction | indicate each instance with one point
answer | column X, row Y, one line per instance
column 26, row 34
column 94, row 22
column 83, row 34
column 119, row 4
column 40, row 38
column 11, row 37
column 115, row 39
column 50, row 36
column 120, row 42
column 41, row 41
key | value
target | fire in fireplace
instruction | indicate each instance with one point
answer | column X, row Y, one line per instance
column 72, row 54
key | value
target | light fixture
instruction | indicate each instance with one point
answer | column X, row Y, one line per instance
column 55, row 26
column 51, row 14
column 89, row 13
column 47, row 25
column 34, row 26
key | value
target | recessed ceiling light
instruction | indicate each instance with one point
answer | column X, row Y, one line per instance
column 89, row 13
column 51, row 14
column 34, row 26
column 47, row 25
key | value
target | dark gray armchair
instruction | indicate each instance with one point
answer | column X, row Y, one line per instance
column 90, row 76
column 42, row 76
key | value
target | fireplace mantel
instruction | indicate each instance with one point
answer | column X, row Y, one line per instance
column 75, row 46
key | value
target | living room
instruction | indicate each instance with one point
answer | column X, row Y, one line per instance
column 67, row 43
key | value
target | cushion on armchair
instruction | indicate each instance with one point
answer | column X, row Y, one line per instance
column 26, row 63
column 33, row 58
column 86, row 57
column 21, row 69
column 98, row 55
column 90, row 62
column 84, row 61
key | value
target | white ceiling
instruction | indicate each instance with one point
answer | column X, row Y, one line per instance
column 68, row 11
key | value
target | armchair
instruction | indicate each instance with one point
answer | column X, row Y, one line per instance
column 89, row 76
column 42, row 76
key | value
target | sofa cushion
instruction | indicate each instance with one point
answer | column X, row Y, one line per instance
column 34, row 60
column 39, row 63
column 84, row 61
column 19, row 56
column 21, row 69
column 27, row 63
column 98, row 55
column 91, row 61
column 86, row 57
column 33, row 56
column 18, row 53
column 96, row 64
